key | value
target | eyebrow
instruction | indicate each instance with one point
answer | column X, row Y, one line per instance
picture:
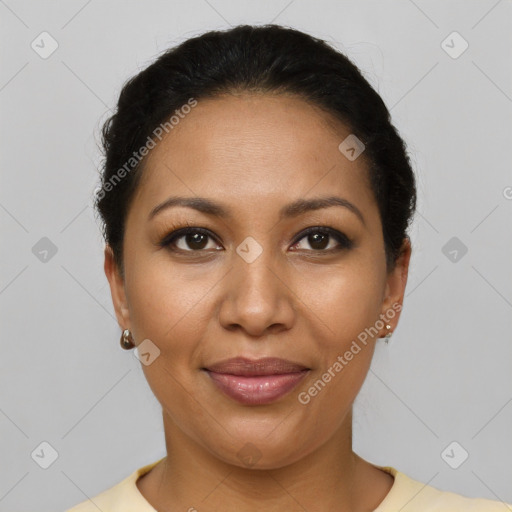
column 209, row 207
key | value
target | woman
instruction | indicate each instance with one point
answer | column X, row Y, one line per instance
column 256, row 199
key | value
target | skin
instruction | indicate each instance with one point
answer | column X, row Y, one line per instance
column 255, row 153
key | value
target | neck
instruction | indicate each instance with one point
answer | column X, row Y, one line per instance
column 331, row 478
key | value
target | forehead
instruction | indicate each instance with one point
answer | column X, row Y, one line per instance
column 253, row 149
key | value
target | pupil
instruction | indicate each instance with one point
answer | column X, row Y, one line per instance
column 194, row 240
column 317, row 240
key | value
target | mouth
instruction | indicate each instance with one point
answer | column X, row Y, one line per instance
column 256, row 382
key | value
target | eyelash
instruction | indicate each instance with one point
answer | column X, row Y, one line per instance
column 344, row 242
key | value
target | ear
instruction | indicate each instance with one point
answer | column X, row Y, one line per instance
column 395, row 287
column 116, row 289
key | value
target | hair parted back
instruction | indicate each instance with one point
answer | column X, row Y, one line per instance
column 262, row 59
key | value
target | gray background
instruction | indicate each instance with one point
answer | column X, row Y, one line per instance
column 446, row 376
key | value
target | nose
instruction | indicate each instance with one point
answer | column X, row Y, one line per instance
column 257, row 297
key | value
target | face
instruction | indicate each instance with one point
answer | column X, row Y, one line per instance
column 263, row 272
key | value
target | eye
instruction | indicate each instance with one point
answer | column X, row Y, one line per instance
column 189, row 240
column 320, row 239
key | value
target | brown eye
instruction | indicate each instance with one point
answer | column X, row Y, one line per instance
column 195, row 240
column 323, row 239
column 189, row 240
column 318, row 240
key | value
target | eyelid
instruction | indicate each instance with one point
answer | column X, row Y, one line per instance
column 177, row 233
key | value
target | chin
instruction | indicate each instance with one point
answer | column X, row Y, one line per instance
column 259, row 451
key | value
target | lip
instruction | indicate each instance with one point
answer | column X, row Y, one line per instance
column 256, row 382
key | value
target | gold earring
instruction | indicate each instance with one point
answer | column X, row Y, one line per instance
column 388, row 335
column 127, row 340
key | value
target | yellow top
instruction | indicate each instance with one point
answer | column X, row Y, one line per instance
column 406, row 495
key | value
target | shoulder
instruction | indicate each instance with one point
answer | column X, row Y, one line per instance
column 408, row 495
column 122, row 497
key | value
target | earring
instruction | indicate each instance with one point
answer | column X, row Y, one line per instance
column 127, row 340
column 388, row 335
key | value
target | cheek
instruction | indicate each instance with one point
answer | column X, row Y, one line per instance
column 169, row 306
column 345, row 304
column 345, row 300
column 166, row 298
